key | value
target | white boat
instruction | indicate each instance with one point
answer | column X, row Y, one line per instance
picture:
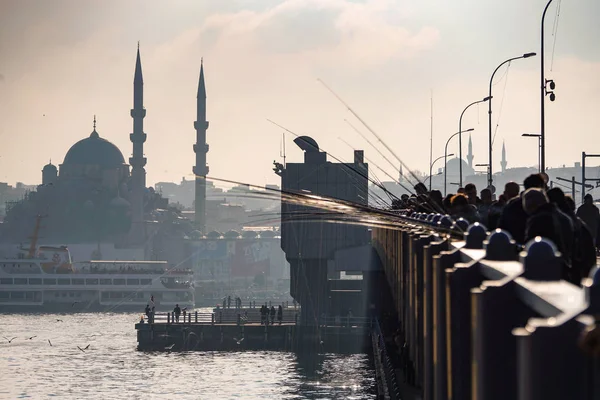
column 45, row 279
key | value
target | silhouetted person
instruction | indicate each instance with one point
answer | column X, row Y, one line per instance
column 447, row 203
column 272, row 315
column 280, row 314
column 228, row 301
column 589, row 214
column 471, row 192
column 584, row 256
column 544, row 220
column 177, row 312
column 462, row 209
column 437, row 200
column 514, row 218
column 483, row 209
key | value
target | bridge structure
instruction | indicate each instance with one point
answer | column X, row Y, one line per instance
column 482, row 318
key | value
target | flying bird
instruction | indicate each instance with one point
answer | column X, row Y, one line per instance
column 170, row 347
column 49, row 342
column 59, row 320
column 84, row 349
column 75, row 302
column 9, row 340
column 238, row 341
column 31, row 337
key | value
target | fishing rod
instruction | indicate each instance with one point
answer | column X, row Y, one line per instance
column 381, row 185
column 370, row 130
column 435, row 206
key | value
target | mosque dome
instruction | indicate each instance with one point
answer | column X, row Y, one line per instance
column 94, row 150
column 453, row 167
column 50, row 168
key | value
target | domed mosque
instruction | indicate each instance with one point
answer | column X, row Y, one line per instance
column 92, row 195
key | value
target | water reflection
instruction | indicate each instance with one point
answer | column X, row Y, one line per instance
column 112, row 368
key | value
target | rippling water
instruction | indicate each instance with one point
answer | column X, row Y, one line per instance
column 112, row 368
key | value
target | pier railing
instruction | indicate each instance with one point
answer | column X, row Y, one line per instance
column 219, row 317
column 481, row 319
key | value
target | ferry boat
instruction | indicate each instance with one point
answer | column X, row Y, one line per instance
column 45, row 279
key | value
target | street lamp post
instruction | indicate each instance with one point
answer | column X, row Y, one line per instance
column 539, row 136
column 460, row 182
column 431, row 168
column 543, row 95
column 526, row 55
column 446, row 155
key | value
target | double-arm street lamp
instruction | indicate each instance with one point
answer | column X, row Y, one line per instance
column 446, row 156
column 431, row 167
column 460, row 182
column 490, row 179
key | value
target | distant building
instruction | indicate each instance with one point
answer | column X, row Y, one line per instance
column 91, row 196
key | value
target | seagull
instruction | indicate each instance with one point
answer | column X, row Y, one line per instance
column 84, row 349
column 59, row 320
column 9, row 341
column 238, row 341
column 31, row 337
column 170, row 347
column 50, row 342
column 75, row 302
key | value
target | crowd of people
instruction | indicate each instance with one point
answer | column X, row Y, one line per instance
column 535, row 211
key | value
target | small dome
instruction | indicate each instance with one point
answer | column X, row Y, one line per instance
column 195, row 234
column 249, row 234
column 232, row 234
column 119, row 202
column 214, row 235
column 49, row 167
column 94, row 150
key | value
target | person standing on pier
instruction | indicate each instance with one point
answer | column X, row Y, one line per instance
column 272, row 315
column 177, row 312
column 280, row 314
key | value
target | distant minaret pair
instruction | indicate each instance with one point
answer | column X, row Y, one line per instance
column 470, row 156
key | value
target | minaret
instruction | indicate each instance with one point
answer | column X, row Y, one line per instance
column 470, row 156
column 503, row 163
column 201, row 148
column 138, row 161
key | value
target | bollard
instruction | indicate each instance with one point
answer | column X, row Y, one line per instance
column 500, row 246
column 168, row 318
column 441, row 263
column 475, row 236
column 430, row 251
column 459, row 282
column 541, row 260
column 196, row 317
column 189, row 318
column 212, row 318
column 461, row 225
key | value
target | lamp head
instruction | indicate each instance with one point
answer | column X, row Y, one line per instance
column 450, row 155
column 527, row 55
column 488, row 98
column 469, row 130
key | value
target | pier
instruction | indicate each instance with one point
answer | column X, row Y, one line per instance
column 237, row 329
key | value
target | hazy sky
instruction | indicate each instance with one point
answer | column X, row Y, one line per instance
column 63, row 61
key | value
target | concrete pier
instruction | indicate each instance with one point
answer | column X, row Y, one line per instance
column 205, row 332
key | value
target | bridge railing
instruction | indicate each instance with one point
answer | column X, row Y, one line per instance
column 481, row 319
